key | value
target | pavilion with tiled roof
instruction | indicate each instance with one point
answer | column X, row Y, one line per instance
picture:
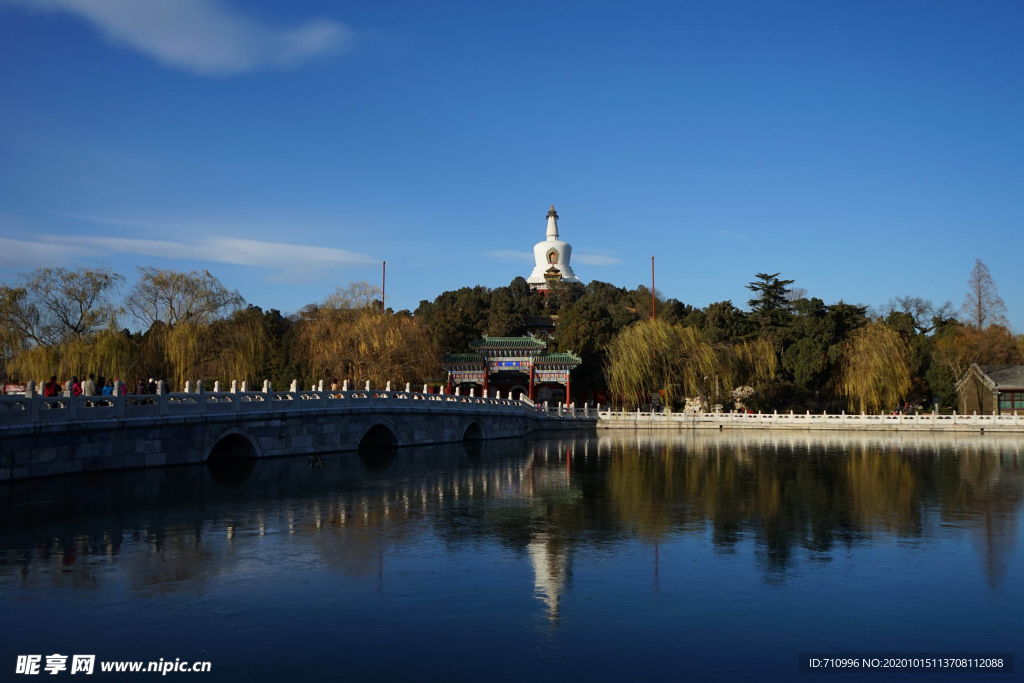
column 511, row 365
column 991, row 389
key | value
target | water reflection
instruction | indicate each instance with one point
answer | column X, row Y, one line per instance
column 789, row 495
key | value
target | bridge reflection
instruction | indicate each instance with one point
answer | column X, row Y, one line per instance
column 786, row 497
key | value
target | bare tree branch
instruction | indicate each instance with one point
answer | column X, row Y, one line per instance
column 175, row 298
column 982, row 304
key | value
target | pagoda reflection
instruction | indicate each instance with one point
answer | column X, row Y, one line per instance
column 785, row 494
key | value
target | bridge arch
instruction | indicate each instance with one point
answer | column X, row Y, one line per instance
column 381, row 433
column 473, row 432
column 233, row 443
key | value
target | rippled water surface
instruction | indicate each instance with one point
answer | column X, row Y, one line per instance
column 702, row 556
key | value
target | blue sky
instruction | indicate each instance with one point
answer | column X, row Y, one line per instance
column 865, row 150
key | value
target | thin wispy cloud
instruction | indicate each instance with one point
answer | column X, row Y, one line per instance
column 596, row 259
column 278, row 261
column 25, row 255
column 510, row 256
column 207, row 37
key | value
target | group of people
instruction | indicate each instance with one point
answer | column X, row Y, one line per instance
column 94, row 386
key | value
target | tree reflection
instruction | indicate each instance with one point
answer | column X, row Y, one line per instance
column 781, row 495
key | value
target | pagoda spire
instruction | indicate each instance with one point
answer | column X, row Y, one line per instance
column 552, row 224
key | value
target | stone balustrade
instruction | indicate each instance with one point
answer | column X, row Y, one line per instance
column 610, row 419
column 33, row 408
column 41, row 436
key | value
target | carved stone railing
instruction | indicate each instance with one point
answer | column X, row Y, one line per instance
column 36, row 409
column 612, row 418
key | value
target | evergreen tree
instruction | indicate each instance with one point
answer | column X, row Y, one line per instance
column 771, row 308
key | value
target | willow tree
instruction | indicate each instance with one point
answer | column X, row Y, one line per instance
column 175, row 298
column 178, row 311
column 347, row 336
column 653, row 355
column 52, row 305
column 874, row 372
column 111, row 352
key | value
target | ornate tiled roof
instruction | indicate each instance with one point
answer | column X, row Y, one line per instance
column 463, row 358
column 508, row 343
column 562, row 358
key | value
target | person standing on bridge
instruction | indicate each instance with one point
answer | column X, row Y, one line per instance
column 108, row 389
column 52, row 388
column 89, row 386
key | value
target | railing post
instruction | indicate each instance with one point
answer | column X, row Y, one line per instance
column 188, row 386
column 33, row 401
column 320, row 386
column 161, row 401
column 266, row 386
column 425, row 389
column 344, row 385
column 368, row 385
column 294, row 388
column 243, row 386
column 216, row 386
column 408, row 387
column 234, row 386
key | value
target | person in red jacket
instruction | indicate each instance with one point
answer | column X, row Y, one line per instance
column 76, row 387
column 52, row 388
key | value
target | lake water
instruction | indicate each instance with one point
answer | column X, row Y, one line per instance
column 621, row 556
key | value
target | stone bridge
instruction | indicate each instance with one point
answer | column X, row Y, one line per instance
column 42, row 436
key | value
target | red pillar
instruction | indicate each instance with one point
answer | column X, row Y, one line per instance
column 531, row 382
column 568, row 389
column 486, row 373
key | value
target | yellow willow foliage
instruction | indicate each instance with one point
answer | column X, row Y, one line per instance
column 366, row 345
column 752, row 362
column 188, row 352
column 109, row 353
column 875, row 375
column 244, row 346
column 652, row 355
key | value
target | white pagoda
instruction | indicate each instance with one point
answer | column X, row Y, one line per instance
column 552, row 258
